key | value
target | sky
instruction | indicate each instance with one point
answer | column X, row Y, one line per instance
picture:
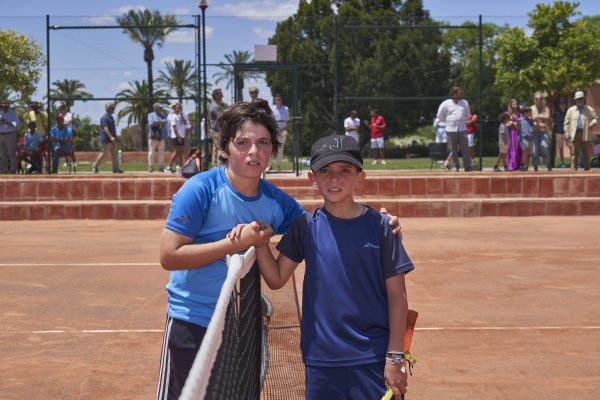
column 106, row 61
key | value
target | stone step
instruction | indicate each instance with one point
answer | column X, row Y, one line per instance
column 398, row 185
column 404, row 208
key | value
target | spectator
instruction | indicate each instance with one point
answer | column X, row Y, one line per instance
column 558, row 131
column 578, row 121
column 35, row 114
column 179, row 123
column 351, row 125
column 108, row 139
column 216, row 108
column 526, row 139
column 502, row 141
column 61, row 137
column 157, row 137
column 281, row 115
column 541, row 120
column 515, row 154
column 455, row 112
column 253, row 92
column 32, row 151
column 9, row 122
column 471, row 131
column 377, row 126
column 62, row 109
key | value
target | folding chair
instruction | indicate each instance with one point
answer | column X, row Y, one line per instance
column 437, row 152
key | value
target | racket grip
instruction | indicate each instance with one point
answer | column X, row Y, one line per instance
column 389, row 395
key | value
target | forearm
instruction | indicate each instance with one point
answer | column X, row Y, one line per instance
column 107, row 133
column 397, row 313
column 269, row 269
column 192, row 255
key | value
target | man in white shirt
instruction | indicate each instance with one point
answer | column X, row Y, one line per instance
column 351, row 125
column 281, row 115
column 454, row 113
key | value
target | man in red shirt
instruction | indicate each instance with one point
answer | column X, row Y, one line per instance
column 377, row 126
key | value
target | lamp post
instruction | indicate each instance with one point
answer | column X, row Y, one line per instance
column 203, row 4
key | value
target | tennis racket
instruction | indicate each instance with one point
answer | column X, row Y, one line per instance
column 411, row 320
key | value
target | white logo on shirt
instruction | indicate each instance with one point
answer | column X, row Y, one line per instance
column 371, row 245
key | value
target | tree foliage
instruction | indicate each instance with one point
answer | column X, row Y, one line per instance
column 69, row 89
column 22, row 63
column 560, row 56
column 149, row 29
column 179, row 79
column 382, row 52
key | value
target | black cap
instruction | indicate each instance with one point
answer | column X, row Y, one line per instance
column 334, row 148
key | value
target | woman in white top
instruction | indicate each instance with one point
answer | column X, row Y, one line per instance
column 178, row 126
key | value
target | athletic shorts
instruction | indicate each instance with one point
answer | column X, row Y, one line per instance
column 526, row 144
column 181, row 342
column 503, row 148
column 471, row 139
column 178, row 141
column 356, row 382
column 377, row 143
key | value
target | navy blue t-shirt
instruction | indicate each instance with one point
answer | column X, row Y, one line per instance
column 344, row 302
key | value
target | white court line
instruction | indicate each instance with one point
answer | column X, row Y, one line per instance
column 507, row 328
column 431, row 329
column 80, row 264
column 83, row 331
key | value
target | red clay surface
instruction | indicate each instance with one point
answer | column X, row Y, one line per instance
column 508, row 309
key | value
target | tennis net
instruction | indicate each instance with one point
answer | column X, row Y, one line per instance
column 228, row 364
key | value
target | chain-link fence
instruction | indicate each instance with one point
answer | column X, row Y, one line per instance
column 403, row 70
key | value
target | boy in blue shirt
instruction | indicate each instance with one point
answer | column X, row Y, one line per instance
column 354, row 296
column 62, row 138
column 33, row 140
column 526, row 139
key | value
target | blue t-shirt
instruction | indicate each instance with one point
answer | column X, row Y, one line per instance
column 344, row 302
column 205, row 209
column 526, row 128
column 108, row 121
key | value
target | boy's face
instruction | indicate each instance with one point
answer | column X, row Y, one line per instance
column 249, row 152
column 527, row 114
column 336, row 181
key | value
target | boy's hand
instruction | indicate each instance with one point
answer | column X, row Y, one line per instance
column 252, row 234
column 395, row 378
column 395, row 222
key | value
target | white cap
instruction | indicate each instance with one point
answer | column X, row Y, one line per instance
column 579, row 95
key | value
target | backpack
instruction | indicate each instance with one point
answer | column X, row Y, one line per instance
column 193, row 165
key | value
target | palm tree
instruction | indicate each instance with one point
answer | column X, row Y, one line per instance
column 237, row 57
column 136, row 110
column 148, row 28
column 180, row 77
column 69, row 89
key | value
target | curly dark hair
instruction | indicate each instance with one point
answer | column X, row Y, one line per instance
column 231, row 120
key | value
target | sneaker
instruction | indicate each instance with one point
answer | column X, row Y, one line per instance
column 562, row 165
column 118, row 171
column 161, row 169
column 535, row 168
column 150, row 169
column 74, row 164
column 383, row 162
column 549, row 167
column 373, row 162
column 94, row 169
column 64, row 164
column 496, row 169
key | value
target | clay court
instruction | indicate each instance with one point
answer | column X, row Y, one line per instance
column 508, row 309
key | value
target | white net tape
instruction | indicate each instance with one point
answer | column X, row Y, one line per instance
column 195, row 389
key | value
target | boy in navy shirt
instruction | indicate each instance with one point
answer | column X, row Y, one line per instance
column 354, row 304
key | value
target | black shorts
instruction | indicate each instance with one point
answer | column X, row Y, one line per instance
column 181, row 342
column 179, row 141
